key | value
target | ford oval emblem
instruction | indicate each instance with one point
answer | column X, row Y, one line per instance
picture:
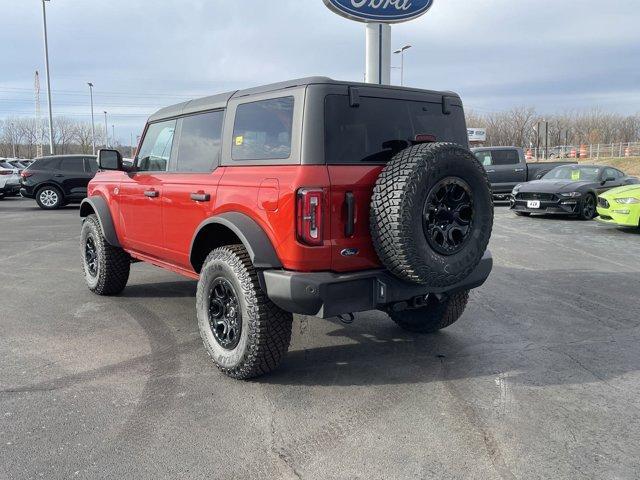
column 349, row 252
column 383, row 11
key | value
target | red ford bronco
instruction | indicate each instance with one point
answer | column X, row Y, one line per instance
column 313, row 196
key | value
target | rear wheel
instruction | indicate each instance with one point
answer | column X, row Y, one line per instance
column 433, row 317
column 588, row 207
column 106, row 268
column 245, row 334
column 49, row 198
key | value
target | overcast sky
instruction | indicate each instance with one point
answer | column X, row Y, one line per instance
column 555, row 55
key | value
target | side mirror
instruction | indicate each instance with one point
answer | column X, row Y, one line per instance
column 109, row 159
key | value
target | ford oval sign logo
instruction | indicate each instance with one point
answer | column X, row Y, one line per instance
column 383, row 11
column 349, row 252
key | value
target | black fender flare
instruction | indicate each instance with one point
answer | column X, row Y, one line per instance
column 98, row 205
column 252, row 236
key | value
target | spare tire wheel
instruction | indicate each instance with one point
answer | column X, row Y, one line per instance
column 432, row 214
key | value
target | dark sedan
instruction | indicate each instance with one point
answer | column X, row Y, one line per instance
column 568, row 190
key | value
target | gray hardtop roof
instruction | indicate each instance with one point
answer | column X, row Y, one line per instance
column 220, row 101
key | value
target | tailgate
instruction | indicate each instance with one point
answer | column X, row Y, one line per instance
column 351, row 252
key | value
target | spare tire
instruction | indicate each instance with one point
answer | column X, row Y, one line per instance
column 432, row 214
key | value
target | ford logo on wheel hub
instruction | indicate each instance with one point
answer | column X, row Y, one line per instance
column 383, row 11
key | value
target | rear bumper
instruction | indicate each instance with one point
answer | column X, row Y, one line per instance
column 26, row 193
column 327, row 294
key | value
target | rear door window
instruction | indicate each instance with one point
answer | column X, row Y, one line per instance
column 262, row 130
column 379, row 128
column 72, row 165
column 199, row 144
column 90, row 165
column 156, row 147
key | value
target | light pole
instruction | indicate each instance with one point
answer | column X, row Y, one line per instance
column 106, row 131
column 113, row 133
column 46, row 66
column 93, row 124
column 401, row 52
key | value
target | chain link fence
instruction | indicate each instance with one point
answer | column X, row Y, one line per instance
column 593, row 151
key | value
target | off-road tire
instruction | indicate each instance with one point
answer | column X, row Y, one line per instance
column 523, row 214
column 55, row 190
column 113, row 263
column 433, row 317
column 583, row 214
column 397, row 203
column 266, row 329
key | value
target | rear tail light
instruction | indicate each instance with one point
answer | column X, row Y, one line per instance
column 309, row 215
column 6, row 172
column 25, row 174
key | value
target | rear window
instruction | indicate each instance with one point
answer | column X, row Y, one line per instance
column 380, row 127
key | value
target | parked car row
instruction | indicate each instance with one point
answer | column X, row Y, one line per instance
column 10, row 177
column 561, row 188
column 507, row 167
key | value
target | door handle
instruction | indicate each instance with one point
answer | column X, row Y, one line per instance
column 519, row 170
column 200, row 197
column 351, row 214
column 151, row 193
column 491, row 171
column 58, row 175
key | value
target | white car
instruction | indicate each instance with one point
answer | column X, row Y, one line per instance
column 9, row 179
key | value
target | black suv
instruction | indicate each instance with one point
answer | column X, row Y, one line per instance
column 58, row 180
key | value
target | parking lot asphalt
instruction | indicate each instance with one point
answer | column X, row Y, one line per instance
column 539, row 379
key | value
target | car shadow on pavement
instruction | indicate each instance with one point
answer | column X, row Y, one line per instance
column 586, row 334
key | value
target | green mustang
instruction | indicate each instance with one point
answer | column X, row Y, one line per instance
column 620, row 206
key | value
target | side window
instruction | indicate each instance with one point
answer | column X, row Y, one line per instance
column 156, row 147
column 612, row 173
column 505, row 157
column 90, row 164
column 262, row 130
column 484, row 158
column 199, row 144
column 72, row 165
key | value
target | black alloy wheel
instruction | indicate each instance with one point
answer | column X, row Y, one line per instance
column 91, row 256
column 588, row 207
column 447, row 216
column 225, row 318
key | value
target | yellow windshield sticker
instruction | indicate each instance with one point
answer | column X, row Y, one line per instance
column 575, row 174
column 239, row 140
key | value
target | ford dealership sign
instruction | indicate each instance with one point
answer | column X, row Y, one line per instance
column 382, row 11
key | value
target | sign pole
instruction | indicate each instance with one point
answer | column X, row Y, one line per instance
column 378, row 53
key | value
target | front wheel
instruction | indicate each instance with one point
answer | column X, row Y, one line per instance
column 588, row 208
column 245, row 334
column 106, row 268
column 433, row 317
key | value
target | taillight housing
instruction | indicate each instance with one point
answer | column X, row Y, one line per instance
column 25, row 174
column 6, row 172
column 310, row 215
